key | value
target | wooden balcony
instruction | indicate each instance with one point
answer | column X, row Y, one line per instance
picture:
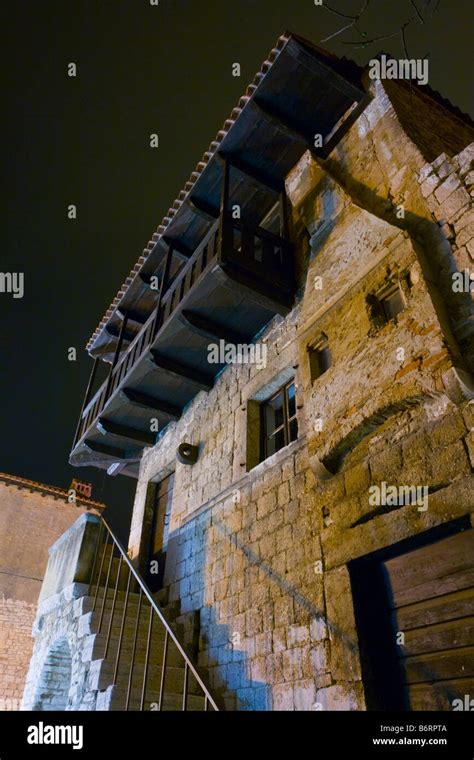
column 238, row 278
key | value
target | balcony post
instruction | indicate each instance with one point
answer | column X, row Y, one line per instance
column 116, row 355
column 284, row 222
column 163, row 287
column 86, row 397
column 224, row 220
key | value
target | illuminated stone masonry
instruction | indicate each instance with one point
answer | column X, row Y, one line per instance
column 264, row 553
column 308, row 516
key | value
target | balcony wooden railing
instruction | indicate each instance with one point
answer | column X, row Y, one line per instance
column 203, row 257
column 262, row 256
column 259, row 252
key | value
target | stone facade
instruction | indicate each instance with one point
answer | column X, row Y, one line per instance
column 261, row 550
column 32, row 516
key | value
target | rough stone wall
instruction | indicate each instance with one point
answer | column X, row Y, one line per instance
column 29, row 523
column 16, row 645
column 262, row 552
column 59, row 628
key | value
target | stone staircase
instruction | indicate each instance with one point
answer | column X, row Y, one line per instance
column 100, row 646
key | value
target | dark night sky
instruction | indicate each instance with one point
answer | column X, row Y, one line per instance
column 141, row 69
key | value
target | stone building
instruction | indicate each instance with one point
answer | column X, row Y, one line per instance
column 32, row 515
column 291, row 385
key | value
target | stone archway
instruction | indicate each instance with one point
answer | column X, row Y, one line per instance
column 54, row 682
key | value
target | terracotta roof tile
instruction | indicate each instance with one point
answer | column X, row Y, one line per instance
column 282, row 40
column 55, row 491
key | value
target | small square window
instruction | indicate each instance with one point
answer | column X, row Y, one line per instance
column 279, row 423
column 385, row 305
column 392, row 303
column 319, row 359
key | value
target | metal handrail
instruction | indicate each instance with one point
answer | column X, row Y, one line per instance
column 169, row 633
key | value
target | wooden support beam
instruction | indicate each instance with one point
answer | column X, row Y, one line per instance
column 253, row 173
column 189, row 374
column 210, row 330
column 151, row 403
column 339, row 133
column 179, row 249
column 322, row 71
column 206, row 210
column 265, row 295
column 283, row 123
column 103, row 448
column 146, row 278
column 127, row 337
column 124, row 431
column 133, row 316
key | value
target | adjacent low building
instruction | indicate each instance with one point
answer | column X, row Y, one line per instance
column 32, row 516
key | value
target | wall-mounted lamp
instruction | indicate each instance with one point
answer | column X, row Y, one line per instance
column 186, row 453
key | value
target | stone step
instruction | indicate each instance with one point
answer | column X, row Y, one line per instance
column 89, row 623
column 114, row 698
column 97, row 649
column 102, row 673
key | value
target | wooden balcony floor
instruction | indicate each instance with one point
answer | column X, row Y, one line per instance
column 223, row 304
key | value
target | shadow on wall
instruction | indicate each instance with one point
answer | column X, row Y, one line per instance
column 200, row 584
column 232, row 647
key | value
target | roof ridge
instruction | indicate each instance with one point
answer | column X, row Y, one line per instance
column 53, row 490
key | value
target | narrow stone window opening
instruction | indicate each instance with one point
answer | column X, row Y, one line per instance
column 393, row 302
column 385, row 305
column 320, row 358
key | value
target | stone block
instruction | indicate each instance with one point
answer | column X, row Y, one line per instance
column 283, row 697
column 357, row 479
column 447, row 187
column 470, row 446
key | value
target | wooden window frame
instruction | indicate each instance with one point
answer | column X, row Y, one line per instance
column 286, row 424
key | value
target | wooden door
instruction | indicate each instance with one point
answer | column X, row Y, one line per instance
column 159, row 532
column 417, row 640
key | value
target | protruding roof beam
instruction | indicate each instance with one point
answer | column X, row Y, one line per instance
column 183, row 372
column 206, row 210
column 208, row 329
column 145, row 277
column 284, row 124
column 149, row 402
column 103, row 448
column 179, row 248
column 115, row 333
column 252, row 172
column 133, row 316
column 124, row 431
